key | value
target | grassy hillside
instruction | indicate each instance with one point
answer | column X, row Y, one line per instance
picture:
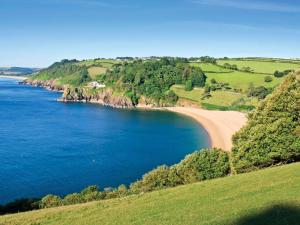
column 239, row 79
column 270, row 196
column 225, row 100
column 262, row 66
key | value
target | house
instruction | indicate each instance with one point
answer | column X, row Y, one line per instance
column 96, row 85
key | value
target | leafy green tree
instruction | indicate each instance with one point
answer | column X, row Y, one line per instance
column 270, row 136
column 188, row 85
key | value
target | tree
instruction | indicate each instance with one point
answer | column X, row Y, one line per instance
column 188, row 85
column 270, row 136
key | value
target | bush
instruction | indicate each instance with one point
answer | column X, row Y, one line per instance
column 260, row 92
column 213, row 81
column 283, row 73
column 74, row 198
column 270, row 136
column 268, row 79
column 50, row 201
column 203, row 165
column 154, row 180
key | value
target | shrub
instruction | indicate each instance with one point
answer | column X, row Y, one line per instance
column 213, row 81
column 154, row 180
column 203, row 165
column 270, row 136
column 268, row 79
column 50, row 201
column 74, row 198
column 260, row 92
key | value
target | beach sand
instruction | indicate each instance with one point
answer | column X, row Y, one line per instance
column 14, row 77
column 220, row 125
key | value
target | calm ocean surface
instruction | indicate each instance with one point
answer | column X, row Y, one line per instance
column 51, row 147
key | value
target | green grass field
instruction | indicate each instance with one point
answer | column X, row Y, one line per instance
column 270, row 196
column 219, row 98
column 238, row 79
column 242, row 80
column 262, row 66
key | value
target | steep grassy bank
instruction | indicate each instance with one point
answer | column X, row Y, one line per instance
column 270, row 196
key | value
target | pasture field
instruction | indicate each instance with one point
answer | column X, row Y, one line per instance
column 270, row 196
column 236, row 79
column 96, row 70
column 218, row 98
column 261, row 66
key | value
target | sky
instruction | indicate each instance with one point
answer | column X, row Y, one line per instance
column 36, row 33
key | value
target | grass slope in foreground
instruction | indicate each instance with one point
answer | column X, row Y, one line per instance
column 270, row 196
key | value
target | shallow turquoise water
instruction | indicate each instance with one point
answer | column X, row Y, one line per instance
column 52, row 147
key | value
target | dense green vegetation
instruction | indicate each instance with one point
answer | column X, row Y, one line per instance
column 263, row 197
column 152, row 79
column 270, row 136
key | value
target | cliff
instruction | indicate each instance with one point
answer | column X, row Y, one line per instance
column 103, row 97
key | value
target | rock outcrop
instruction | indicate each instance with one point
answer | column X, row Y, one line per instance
column 103, row 97
column 48, row 84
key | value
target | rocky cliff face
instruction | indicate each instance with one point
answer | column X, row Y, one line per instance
column 104, row 97
column 48, row 84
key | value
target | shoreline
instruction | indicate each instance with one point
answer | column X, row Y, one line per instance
column 220, row 125
column 14, row 77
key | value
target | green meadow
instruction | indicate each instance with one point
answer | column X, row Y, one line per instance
column 262, row 66
column 270, row 196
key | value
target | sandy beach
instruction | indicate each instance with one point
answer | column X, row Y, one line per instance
column 220, row 125
column 14, row 77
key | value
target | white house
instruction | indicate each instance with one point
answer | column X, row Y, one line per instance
column 96, row 84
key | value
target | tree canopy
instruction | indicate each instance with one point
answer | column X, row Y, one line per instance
column 271, row 134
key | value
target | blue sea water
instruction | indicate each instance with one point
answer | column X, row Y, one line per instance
column 52, row 147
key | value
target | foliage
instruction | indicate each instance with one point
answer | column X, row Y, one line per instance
column 201, row 165
column 270, row 136
column 260, row 92
column 268, row 79
column 50, row 201
column 153, row 78
column 153, row 180
column 282, row 74
column 64, row 72
column 230, row 200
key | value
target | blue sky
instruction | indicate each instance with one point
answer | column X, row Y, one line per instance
column 39, row 32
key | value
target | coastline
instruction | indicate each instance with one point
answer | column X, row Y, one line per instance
column 14, row 77
column 220, row 125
